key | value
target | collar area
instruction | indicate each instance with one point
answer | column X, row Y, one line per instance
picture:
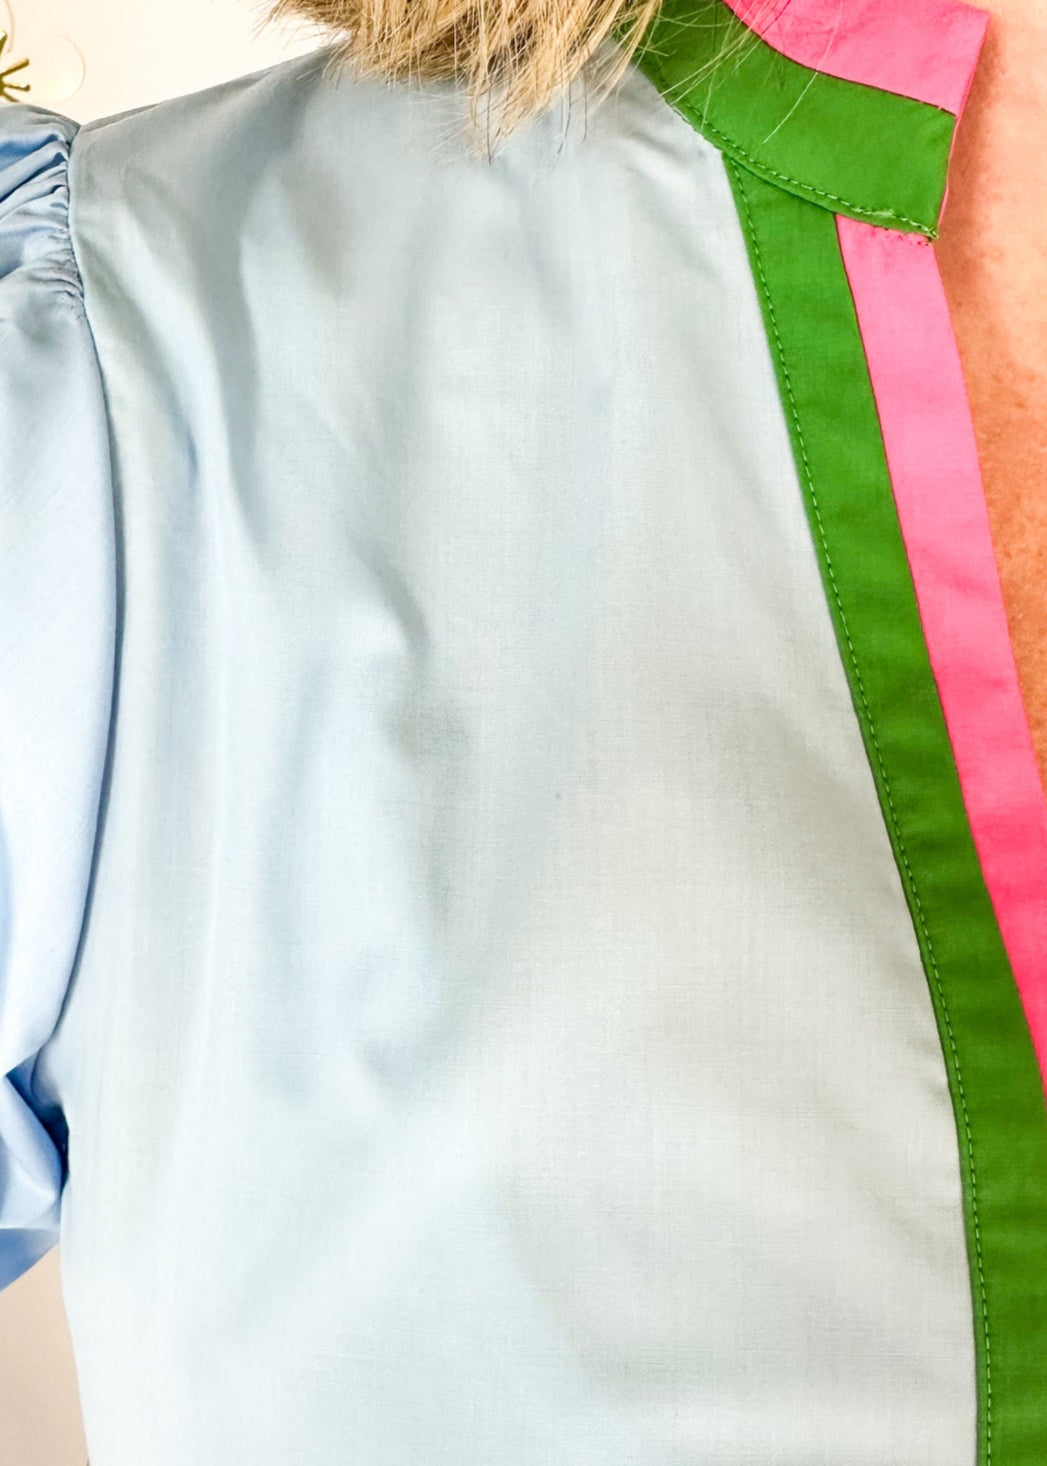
column 851, row 104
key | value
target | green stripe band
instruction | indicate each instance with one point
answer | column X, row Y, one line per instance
column 994, row 1078
column 850, row 148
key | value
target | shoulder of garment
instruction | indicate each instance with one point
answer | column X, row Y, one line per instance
column 57, row 639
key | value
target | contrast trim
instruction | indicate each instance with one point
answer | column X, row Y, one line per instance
column 851, row 149
column 921, row 398
column 992, row 1069
column 924, row 49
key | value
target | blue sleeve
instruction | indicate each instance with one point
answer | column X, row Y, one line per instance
column 57, row 639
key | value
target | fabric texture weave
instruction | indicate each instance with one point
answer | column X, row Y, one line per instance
column 501, row 958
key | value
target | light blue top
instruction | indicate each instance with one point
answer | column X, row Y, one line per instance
column 57, row 625
column 444, row 890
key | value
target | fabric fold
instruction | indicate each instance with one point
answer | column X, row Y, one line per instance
column 57, row 637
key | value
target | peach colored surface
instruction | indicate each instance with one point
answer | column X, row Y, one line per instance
column 994, row 266
column 39, row 1409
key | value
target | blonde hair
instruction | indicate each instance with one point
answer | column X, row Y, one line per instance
column 520, row 51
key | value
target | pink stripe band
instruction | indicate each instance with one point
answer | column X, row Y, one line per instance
column 921, row 397
column 924, row 49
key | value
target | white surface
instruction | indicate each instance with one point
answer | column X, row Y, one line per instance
column 146, row 50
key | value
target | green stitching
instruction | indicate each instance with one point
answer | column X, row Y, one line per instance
column 910, row 878
column 704, row 126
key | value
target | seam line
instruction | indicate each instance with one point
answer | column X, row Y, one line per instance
column 703, row 125
column 893, row 814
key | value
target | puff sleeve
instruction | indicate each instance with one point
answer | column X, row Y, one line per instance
column 57, row 628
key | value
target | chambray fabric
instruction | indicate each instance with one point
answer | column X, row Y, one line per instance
column 460, row 981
